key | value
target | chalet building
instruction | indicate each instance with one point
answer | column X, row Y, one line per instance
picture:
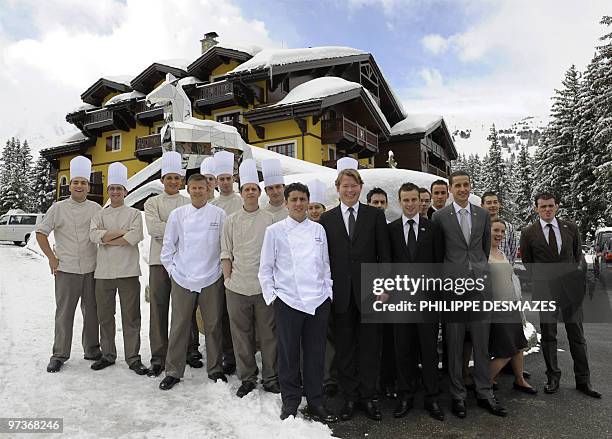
column 314, row 104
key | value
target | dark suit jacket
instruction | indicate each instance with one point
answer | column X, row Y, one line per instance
column 555, row 277
column 370, row 244
column 429, row 256
column 430, row 212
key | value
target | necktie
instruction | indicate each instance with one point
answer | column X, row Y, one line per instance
column 351, row 222
column 465, row 226
column 411, row 240
column 552, row 240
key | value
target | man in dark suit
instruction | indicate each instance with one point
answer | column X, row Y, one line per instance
column 415, row 239
column 356, row 234
column 467, row 243
column 557, row 242
column 439, row 196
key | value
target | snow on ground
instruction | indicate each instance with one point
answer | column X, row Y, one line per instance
column 114, row 402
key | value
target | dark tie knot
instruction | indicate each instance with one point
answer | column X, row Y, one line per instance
column 550, row 226
column 410, row 222
column 351, row 210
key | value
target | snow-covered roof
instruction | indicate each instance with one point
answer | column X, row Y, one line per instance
column 124, row 97
column 82, row 107
column 317, row 89
column 416, row 123
column 75, row 137
column 323, row 87
column 189, row 80
column 119, row 79
column 178, row 63
column 275, row 57
column 250, row 49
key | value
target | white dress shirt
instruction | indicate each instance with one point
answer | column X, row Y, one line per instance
column 294, row 265
column 556, row 231
column 345, row 214
column 415, row 226
column 191, row 252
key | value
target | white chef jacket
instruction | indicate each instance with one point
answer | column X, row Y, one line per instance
column 192, row 246
column 294, row 265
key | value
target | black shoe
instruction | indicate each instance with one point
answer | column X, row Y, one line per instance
column 470, row 387
column 371, row 410
column 524, row 389
column 494, row 386
column 155, row 370
column 195, row 354
column 586, row 389
column 169, row 382
column 217, row 376
column 319, row 413
column 194, row 362
column 54, row 366
column 93, row 357
column 434, row 410
column 286, row 412
column 139, row 368
column 493, row 406
column 229, row 369
column 404, row 405
column 245, row 389
column 330, row 390
column 390, row 392
column 272, row 388
column 102, row 363
column 458, row 408
column 348, row 410
column 552, row 386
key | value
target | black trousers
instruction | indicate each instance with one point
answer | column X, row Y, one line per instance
column 575, row 337
column 293, row 328
column 388, row 373
column 414, row 341
column 357, row 354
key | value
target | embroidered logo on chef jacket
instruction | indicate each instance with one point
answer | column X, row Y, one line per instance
column 213, row 225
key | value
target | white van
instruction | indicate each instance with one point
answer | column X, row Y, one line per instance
column 18, row 227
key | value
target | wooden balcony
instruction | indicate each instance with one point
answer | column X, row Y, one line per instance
column 97, row 121
column 350, row 136
column 147, row 115
column 220, row 94
column 436, row 171
column 243, row 130
column 148, row 148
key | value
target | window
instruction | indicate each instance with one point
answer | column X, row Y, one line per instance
column 113, row 143
column 4, row 220
column 15, row 219
column 63, row 181
column 287, row 149
column 331, row 152
column 24, row 220
column 229, row 118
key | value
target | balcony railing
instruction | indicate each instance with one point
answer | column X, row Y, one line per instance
column 436, row 171
column 342, row 131
column 98, row 117
column 148, row 142
column 222, row 91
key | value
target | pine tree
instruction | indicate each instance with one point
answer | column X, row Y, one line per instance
column 602, row 137
column 558, row 146
column 494, row 170
column 43, row 188
column 509, row 204
column 523, row 176
column 15, row 192
column 475, row 170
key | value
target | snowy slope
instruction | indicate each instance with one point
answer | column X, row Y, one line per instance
column 114, row 402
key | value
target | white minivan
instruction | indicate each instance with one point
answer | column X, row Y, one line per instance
column 18, row 227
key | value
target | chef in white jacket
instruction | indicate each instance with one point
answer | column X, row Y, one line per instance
column 295, row 275
column 191, row 254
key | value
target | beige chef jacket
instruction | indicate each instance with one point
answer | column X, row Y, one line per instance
column 69, row 221
column 278, row 212
column 117, row 261
column 229, row 203
column 157, row 210
column 243, row 234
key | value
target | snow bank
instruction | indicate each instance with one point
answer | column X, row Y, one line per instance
column 416, row 123
column 275, row 57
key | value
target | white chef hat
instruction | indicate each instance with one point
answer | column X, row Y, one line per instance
column 346, row 163
column 208, row 166
column 272, row 172
column 117, row 174
column 172, row 164
column 317, row 191
column 224, row 163
column 80, row 167
column 248, row 172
